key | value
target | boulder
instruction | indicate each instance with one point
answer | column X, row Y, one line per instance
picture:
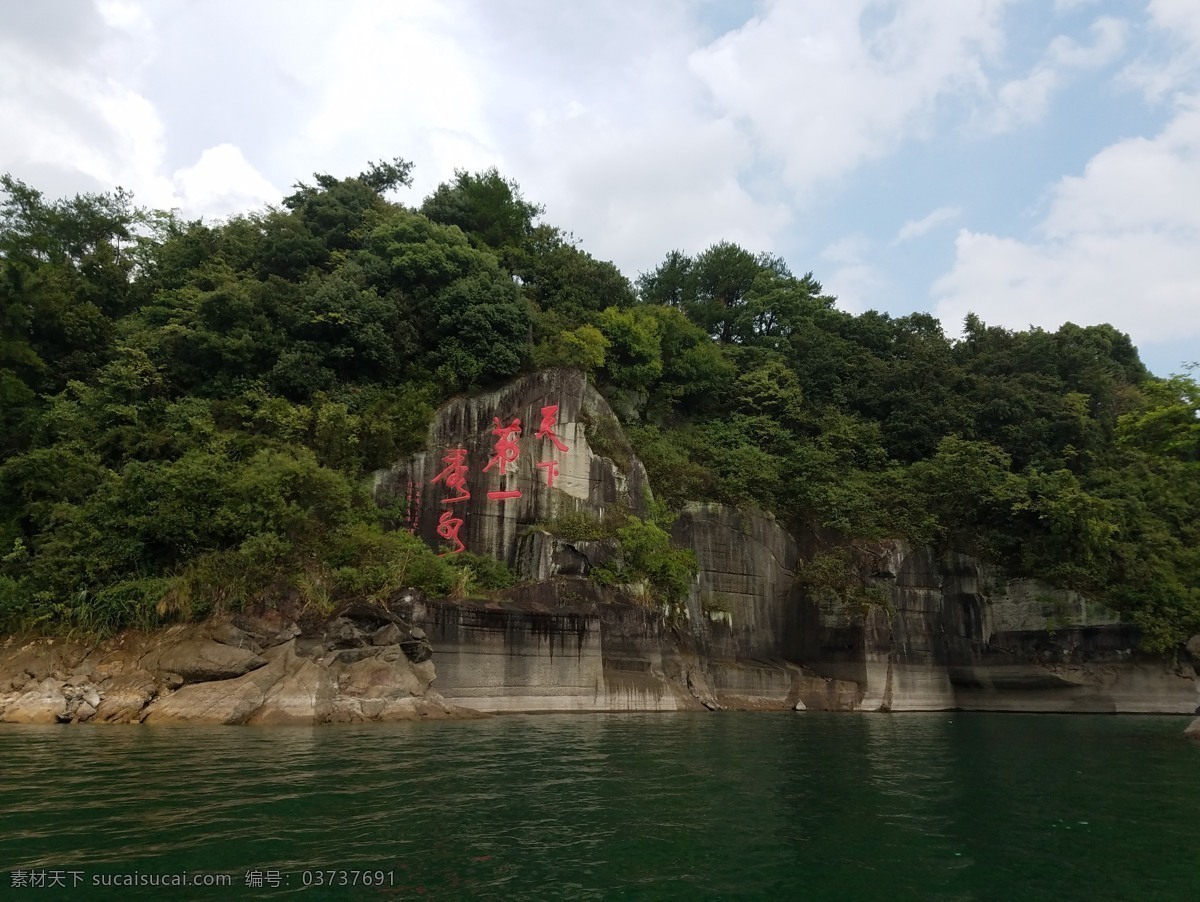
column 202, row 660
column 43, row 704
column 287, row 690
column 396, row 709
column 399, row 709
column 83, row 672
column 230, row 701
column 342, row 632
column 1193, row 730
column 425, row 673
column 228, row 634
column 347, row 710
column 266, row 629
column 215, row 703
column 371, row 708
column 1193, row 649
column 388, row 634
column 302, row 696
column 376, row 678
column 354, row 655
column 417, row 650
column 125, row 696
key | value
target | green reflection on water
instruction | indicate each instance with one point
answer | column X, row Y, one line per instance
column 814, row 806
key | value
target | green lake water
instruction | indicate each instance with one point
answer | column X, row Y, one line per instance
column 945, row 806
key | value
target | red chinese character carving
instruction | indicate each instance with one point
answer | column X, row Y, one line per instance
column 506, row 444
column 549, row 420
column 448, row 527
column 551, row 468
column 504, row 496
column 455, row 474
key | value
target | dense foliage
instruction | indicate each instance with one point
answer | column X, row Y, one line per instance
column 189, row 411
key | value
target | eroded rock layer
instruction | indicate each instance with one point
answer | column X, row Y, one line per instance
column 365, row 663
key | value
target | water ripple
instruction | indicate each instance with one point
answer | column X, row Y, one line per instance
column 571, row 807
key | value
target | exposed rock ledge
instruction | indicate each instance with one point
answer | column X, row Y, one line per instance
column 365, row 663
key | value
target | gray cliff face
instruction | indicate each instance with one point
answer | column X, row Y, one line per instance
column 953, row 634
column 567, row 645
column 746, row 591
column 538, row 479
column 948, row 634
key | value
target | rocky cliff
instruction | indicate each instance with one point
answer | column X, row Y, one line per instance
column 496, row 463
column 499, row 474
column 364, row 663
column 952, row 633
column 503, row 474
column 946, row 633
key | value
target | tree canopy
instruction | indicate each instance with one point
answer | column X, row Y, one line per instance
column 188, row 410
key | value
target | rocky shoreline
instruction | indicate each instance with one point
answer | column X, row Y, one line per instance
column 371, row 663
column 364, row 663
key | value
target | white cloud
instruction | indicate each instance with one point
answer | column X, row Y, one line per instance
column 394, row 79
column 220, row 181
column 822, row 94
column 915, row 228
column 83, row 121
column 852, row 280
column 1026, row 100
column 1109, row 36
column 1117, row 245
column 73, row 119
column 1179, row 17
column 1159, row 79
column 620, row 117
column 125, row 15
column 599, row 117
column 638, row 132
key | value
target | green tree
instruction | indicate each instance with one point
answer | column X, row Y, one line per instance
column 712, row 288
column 634, row 357
column 338, row 211
column 486, row 206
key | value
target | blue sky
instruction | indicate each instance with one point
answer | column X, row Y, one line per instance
column 1033, row 161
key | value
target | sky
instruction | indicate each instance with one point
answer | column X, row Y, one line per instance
column 1032, row 161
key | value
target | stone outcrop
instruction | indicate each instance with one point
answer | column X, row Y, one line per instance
column 504, row 474
column 200, row 660
column 365, row 663
column 44, row 703
column 500, row 498
column 125, row 696
column 566, row 645
column 945, row 633
column 952, row 634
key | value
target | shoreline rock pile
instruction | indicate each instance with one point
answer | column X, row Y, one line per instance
column 363, row 663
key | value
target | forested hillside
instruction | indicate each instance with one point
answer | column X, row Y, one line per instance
column 189, row 411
